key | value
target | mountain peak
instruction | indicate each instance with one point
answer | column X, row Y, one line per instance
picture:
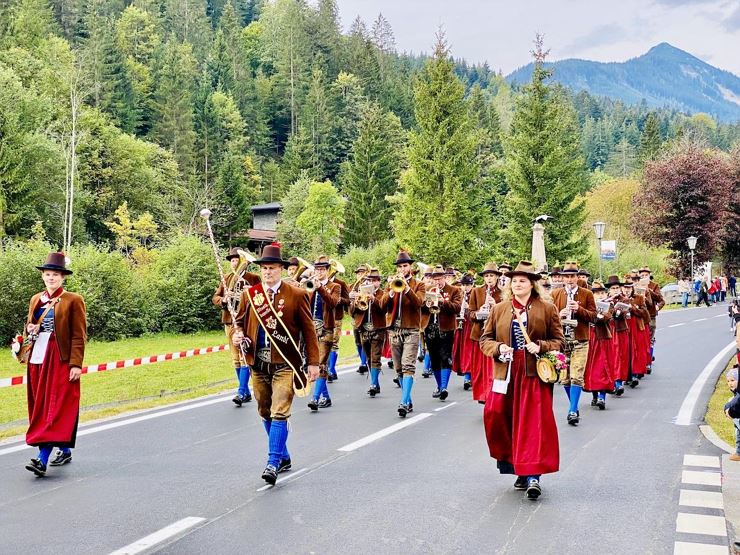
column 664, row 76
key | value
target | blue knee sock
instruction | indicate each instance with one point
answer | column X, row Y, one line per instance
column 278, row 439
column 438, row 378
column 575, row 396
column 446, row 372
column 318, row 388
column 467, row 376
column 427, row 362
column 406, row 385
column 375, row 376
column 244, row 380
column 567, row 390
column 267, row 424
column 363, row 357
column 617, row 384
column 333, row 364
column 325, row 390
column 238, row 370
column 602, row 395
column 45, row 453
column 533, row 477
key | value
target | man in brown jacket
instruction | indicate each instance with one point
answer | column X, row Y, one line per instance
column 323, row 301
column 272, row 372
column 222, row 298
column 339, row 310
column 370, row 323
column 439, row 320
column 403, row 320
column 574, row 303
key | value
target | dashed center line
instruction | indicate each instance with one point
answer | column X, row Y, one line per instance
column 701, row 319
column 446, row 406
column 385, row 432
column 166, row 533
column 676, row 325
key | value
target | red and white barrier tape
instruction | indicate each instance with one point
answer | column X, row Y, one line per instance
column 20, row 380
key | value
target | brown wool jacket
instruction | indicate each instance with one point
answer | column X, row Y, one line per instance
column 293, row 303
column 449, row 308
column 543, row 327
column 476, row 301
column 376, row 310
column 70, row 326
column 331, row 297
column 584, row 314
column 410, row 305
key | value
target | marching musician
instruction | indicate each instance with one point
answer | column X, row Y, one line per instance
column 620, row 333
column 292, row 270
column 574, row 303
column 462, row 348
column 639, row 325
column 439, row 320
column 657, row 302
column 339, row 310
column 273, row 316
column 583, row 277
column 601, row 371
column 360, row 273
column 482, row 301
column 369, row 321
column 426, row 277
column 402, row 306
column 324, row 298
column 222, row 298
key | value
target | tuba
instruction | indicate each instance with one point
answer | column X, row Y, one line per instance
column 303, row 265
column 335, row 267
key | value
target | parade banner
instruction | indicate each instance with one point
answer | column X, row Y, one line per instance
column 608, row 250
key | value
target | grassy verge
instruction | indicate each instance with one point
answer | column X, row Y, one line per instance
column 715, row 416
column 117, row 391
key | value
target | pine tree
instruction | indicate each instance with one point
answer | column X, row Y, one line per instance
column 438, row 213
column 370, row 176
column 544, row 170
column 651, row 139
column 299, row 157
column 623, row 159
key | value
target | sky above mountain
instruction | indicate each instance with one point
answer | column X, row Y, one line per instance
column 501, row 32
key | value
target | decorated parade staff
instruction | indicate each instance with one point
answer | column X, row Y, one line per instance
column 324, row 297
column 519, row 422
column 360, row 273
column 273, row 316
column 369, row 321
column 57, row 327
column 601, row 371
column 577, row 310
column 482, row 301
column 235, row 281
column 620, row 333
column 463, row 346
column 639, row 331
column 402, row 301
column 442, row 303
column 655, row 306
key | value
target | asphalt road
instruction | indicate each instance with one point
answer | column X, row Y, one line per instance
column 429, row 487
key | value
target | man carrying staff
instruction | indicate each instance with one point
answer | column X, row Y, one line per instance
column 574, row 303
column 402, row 307
column 323, row 300
column 222, row 299
column 273, row 316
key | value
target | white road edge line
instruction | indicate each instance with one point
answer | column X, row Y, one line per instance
column 676, row 325
column 701, row 320
column 384, row 432
column 290, row 478
column 687, row 407
column 166, row 533
column 453, row 403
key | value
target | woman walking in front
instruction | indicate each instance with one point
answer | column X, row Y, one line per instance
column 57, row 318
column 518, row 417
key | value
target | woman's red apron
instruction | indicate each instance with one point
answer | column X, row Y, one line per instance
column 481, row 373
column 462, row 349
column 600, row 371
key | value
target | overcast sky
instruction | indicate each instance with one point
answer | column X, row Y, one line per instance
column 502, row 31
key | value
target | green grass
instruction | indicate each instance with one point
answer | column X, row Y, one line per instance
column 138, row 387
column 716, row 416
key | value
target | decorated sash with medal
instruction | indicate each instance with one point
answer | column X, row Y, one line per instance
column 279, row 336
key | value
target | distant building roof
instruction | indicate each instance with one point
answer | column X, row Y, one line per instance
column 262, row 235
column 267, row 207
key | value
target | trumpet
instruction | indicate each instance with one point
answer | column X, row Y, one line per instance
column 366, row 297
column 303, row 265
column 398, row 284
column 431, row 300
column 336, row 268
column 309, row 284
column 463, row 308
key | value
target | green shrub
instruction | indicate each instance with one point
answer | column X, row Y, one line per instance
column 381, row 255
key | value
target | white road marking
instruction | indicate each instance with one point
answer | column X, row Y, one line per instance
column 701, row 460
column 676, row 325
column 291, row 477
column 446, row 406
column 701, row 320
column 696, row 498
column 385, row 432
column 701, row 478
column 687, row 407
column 720, row 316
column 166, row 533
column 689, row 548
column 687, row 523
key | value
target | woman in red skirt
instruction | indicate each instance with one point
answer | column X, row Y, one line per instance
column 518, row 418
column 601, row 369
column 638, row 345
column 620, row 333
column 462, row 348
column 482, row 301
column 58, row 320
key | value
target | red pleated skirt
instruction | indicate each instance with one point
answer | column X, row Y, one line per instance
column 481, row 373
column 622, row 353
column 639, row 347
column 462, row 349
column 387, row 347
column 53, row 401
column 520, row 426
column 600, row 364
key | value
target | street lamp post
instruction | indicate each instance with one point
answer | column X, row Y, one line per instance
column 599, row 230
column 692, row 245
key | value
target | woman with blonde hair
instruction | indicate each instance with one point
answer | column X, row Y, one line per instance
column 518, row 417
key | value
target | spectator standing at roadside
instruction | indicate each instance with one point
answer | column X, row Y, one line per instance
column 732, row 409
column 731, row 283
column 683, row 290
column 723, row 287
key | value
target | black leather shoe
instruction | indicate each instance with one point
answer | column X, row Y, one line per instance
column 330, row 378
column 61, row 458
column 324, row 403
column 411, row 407
column 435, row 394
column 601, row 403
column 593, row 402
column 37, row 467
column 520, row 483
column 534, row 490
column 443, row 394
column 467, row 385
column 284, row 466
column 313, row 404
column 397, row 380
column 634, row 383
column 238, row 400
column 403, row 410
column 269, row 474
column 373, row 391
column 426, row 374
column 247, row 397
column 362, row 369
column 573, row 418
column 619, row 391
column 420, row 358
column 390, row 364
column 649, row 369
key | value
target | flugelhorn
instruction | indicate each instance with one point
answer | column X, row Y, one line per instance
column 366, row 297
column 431, row 300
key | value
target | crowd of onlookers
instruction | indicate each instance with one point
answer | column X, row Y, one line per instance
column 708, row 291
